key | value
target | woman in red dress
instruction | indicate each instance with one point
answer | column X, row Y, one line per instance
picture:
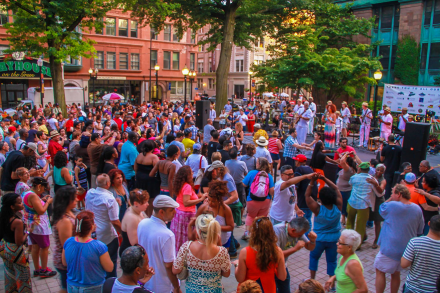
column 251, row 121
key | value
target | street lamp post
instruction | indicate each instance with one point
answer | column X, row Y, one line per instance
column 40, row 64
column 192, row 76
column 185, row 72
column 250, row 84
column 377, row 76
column 93, row 76
column 156, row 68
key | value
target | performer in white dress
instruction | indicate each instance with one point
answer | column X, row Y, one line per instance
column 366, row 117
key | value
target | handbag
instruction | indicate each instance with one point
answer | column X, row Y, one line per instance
column 183, row 275
column 199, row 175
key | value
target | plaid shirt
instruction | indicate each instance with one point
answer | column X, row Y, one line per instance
column 194, row 130
column 362, row 192
column 289, row 149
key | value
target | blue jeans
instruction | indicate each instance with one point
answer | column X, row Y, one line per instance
column 345, row 197
column 283, row 286
column 91, row 289
column 330, row 256
column 113, row 252
column 308, row 215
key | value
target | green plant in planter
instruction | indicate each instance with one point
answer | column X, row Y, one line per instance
column 406, row 68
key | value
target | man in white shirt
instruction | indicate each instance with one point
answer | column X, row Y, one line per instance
column 298, row 106
column 196, row 161
column 345, row 114
column 103, row 204
column 53, row 122
column 403, row 119
column 312, row 108
column 261, row 151
column 207, row 131
column 228, row 107
column 159, row 243
column 305, row 114
column 212, row 113
column 227, row 131
column 365, row 125
column 242, row 118
column 386, row 124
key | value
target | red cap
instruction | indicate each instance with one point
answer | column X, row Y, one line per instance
column 300, row 158
column 12, row 129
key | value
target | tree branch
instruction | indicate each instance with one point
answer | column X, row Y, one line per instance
column 19, row 5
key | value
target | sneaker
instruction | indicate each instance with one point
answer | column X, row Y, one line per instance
column 245, row 235
column 37, row 273
column 47, row 273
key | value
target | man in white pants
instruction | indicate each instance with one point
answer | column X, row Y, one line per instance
column 386, row 124
column 345, row 114
column 305, row 114
column 365, row 125
column 312, row 108
column 403, row 119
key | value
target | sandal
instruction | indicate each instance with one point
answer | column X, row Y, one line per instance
column 374, row 246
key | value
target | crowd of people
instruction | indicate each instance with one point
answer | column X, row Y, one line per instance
column 143, row 184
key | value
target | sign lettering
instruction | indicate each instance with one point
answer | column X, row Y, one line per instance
column 24, row 69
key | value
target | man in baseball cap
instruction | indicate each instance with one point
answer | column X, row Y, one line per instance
column 159, row 243
column 386, row 123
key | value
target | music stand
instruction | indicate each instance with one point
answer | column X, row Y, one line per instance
column 355, row 125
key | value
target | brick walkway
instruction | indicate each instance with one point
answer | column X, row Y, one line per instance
column 298, row 267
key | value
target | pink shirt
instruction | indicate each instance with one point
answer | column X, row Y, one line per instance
column 186, row 189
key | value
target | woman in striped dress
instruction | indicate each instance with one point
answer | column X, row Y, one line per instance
column 330, row 127
column 274, row 147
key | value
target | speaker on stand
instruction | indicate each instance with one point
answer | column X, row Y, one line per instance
column 415, row 144
column 202, row 113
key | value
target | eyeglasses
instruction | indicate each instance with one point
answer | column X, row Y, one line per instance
column 288, row 174
column 340, row 243
column 260, row 219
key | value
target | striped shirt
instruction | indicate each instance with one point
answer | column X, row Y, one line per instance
column 424, row 253
column 272, row 146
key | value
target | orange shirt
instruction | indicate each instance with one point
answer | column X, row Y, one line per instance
column 416, row 198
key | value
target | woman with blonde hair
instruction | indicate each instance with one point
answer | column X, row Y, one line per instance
column 274, row 147
column 206, row 262
column 239, row 135
column 262, row 259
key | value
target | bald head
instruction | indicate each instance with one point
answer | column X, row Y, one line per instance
column 103, row 181
column 426, row 164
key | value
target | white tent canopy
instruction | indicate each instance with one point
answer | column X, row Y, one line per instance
column 270, row 95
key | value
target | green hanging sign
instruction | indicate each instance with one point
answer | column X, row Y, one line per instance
column 26, row 68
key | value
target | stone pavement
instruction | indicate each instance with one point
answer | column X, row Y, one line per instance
column 298, row 267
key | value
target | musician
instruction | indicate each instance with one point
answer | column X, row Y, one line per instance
column 298, row 106
column 386, row 123
column 403, row 119
column 365, row 125
column 212, row 113
column 345, row 114
column 312, row 107
column 304, row 116
column 381, row 112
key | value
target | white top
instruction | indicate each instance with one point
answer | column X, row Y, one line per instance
column 176, row 129
column 212, row 114
column 312, row 108
column 52, row 124
column 338, row 123
column 95, row 124
column 122, row 288
column 159, row 243
column 263, row 152
column 103, row 204
column 402, row 123
column 383, row 126
column 194, row 162
column 178, row 165
column 345, row 112
column 297, row 108
column 365, row 114
column 242, row 119
column 281, row 209
column 227, row 131
column 306, row 114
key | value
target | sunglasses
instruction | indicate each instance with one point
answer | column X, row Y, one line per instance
column 260, row 219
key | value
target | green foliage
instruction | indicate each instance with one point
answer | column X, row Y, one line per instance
column 437, row 80
column 317, row 51
column 406, row 68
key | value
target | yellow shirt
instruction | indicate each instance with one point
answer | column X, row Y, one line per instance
column 188, row 144
column 44, row 129
column 259, row 133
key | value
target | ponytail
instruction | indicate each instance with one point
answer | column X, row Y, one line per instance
column 208, row 228
column 214, row 230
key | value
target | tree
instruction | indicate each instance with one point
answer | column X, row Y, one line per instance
column 53, row 28
column 317, row 49
column 406, row 68
column 238, row 22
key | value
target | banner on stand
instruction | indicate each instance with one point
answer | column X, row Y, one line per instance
column 417, row 99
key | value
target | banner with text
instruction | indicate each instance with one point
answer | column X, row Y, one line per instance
column 417, row 99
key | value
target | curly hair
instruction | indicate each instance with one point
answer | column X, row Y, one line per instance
column 331, row 107
column 250, row 286
column 139, row 195
column 217, row 190
column 183, row 176
column 310, row 286
column 60, row 160
column 264, row 240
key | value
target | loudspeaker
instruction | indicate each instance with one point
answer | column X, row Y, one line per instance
column 202, row 113
column 415, row 144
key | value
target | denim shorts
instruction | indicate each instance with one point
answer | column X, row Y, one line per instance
column 63, row 277
column 90, row 289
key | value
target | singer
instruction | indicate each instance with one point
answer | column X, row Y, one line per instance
column 365, row 125
column 386, row 123
column 304, row 116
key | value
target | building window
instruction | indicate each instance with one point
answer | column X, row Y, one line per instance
column 2, row 49
column 99, row 31
column 192, row 61
column 239, row 66
column 200, row 67
column 153, row 58
column 134, row 61
column 259, row 43
column 154, row 34
column 99, row 60
column 166, row 60
column 433, row 59
column 123, row 28
column 167, row 32
column 177, row 87
column 175, row 36
column 200, row 83
column 123, row 61
column 176, row 60
column 110, row 27
column 72, row 61
column 133, row 29
column 111, row 60
column 3, row 15
column 211, row 83
column 385, row 52
column 193, row 37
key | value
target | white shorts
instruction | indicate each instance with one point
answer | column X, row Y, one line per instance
column 386, row 265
